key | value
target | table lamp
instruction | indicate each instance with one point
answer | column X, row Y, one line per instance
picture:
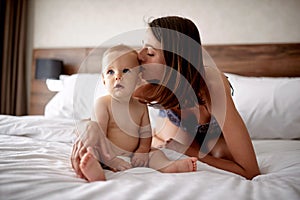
column 49, row 70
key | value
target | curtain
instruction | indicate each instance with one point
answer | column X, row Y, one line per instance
column 13, row 89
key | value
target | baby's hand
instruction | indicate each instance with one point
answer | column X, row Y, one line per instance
column 140, row 159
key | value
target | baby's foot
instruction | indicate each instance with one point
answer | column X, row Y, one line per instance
column 91, row 168
column 184, row 165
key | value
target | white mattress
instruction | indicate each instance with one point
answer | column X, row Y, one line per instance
column 35, row 164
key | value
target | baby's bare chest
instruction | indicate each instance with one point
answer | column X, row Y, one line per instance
column 125, row 126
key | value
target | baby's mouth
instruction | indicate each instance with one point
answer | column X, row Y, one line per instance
column 117, row 86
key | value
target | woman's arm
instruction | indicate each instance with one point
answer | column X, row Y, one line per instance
column 235, row 133
column 90, row 134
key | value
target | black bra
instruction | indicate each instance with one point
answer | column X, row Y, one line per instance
column 201, row 132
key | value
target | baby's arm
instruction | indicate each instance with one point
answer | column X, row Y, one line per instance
column 102, row 118
column 141, row 155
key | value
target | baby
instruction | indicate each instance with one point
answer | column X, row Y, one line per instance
column 125, row 121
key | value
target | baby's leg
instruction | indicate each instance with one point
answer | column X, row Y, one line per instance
column 192, row 150
column 91, row 168
column 160, row 162
column 175, row 145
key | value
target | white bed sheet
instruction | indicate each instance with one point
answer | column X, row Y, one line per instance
column 35, row 164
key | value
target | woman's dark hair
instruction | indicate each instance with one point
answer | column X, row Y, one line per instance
column 182, row 49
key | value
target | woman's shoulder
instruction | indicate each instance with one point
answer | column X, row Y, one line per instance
column 218, row 89
column 212, row 72
column 215, row 79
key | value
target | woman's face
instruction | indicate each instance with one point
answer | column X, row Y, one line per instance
column 152, row 58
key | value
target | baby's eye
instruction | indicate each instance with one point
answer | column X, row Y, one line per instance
column 126, row 71
column 110, row 72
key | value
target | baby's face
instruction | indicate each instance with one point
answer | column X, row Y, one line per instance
column 121, row 75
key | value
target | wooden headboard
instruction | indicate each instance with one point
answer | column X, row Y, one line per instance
column 272, row 60
column 74, row 62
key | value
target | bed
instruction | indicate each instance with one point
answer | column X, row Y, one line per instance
column 35, row 149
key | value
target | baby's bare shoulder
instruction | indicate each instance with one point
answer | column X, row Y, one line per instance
column 103, row 101
column 105, row 98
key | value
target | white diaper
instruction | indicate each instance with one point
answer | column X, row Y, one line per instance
column 125, row 158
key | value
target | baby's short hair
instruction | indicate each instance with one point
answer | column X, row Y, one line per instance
column 115, row 52
column 119, row 48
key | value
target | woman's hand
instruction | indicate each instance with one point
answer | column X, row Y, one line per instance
column 84, row 136
column 77, row 152
column 89, row 135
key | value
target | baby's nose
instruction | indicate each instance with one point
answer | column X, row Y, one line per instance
column 118, row 77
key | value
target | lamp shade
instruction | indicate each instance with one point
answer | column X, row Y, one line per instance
column 48, row 68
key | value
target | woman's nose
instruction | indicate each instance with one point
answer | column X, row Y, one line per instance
column 141, row 55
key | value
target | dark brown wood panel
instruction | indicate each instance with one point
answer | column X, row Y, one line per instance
column 272, row 60
column 40, row 95
column 71, row 57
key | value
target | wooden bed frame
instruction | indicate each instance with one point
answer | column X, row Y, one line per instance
column 271, row 60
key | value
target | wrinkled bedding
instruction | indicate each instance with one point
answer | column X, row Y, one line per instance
column 35, row 164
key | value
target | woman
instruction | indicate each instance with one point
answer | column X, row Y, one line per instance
column 202, row 120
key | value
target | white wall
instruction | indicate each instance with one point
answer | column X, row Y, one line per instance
column 88, row 23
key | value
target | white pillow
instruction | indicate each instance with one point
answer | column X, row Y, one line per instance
column 270, row 107
column 76, row 99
